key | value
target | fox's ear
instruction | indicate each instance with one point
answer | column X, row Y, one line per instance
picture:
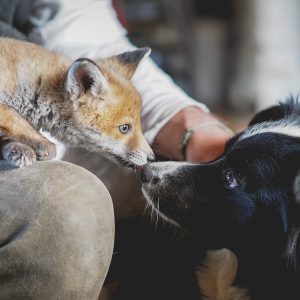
column 129, row 61
column 84, row 76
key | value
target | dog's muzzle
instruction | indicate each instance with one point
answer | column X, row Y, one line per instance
column 148, row 174
column 155, row 173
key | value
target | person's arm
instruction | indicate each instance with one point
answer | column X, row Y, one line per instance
column 90, row 29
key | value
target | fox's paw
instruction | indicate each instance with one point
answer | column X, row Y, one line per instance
column 45, row 150
column 18, row 155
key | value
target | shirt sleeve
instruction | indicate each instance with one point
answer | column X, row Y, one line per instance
column 91, row 29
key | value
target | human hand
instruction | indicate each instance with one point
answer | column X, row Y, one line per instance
column 206, row 142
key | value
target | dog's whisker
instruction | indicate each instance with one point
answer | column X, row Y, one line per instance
column 157, row 213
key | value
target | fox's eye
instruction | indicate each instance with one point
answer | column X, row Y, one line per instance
column 230, row 180
column 125, row 128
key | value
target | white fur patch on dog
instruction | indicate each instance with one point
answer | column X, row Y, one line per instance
column 217, row 274
column 290, row 127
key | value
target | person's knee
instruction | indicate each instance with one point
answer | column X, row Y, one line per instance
column 63, row 226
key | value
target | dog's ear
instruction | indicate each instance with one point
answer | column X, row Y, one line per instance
column 277, row 112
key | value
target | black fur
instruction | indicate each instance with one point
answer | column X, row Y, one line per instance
column 245, row 201
column 278, row 112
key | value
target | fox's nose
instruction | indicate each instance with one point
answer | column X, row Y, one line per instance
column 148, row 174
column 151, row 157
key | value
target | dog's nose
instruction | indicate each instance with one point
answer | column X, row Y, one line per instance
column 151, row 157
column 148, row 174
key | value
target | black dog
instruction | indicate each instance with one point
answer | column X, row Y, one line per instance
column 248, row 200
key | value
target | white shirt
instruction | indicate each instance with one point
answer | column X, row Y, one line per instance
column 90, row 28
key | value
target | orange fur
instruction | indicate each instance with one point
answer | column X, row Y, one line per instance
column 28, row 66
column 120, row 105
column 14, row 127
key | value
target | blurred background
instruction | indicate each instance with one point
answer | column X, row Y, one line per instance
column 237, row 56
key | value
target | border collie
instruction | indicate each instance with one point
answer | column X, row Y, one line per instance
column 248, row 201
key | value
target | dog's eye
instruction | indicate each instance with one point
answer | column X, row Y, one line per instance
column 230, row 180
column 125, row 128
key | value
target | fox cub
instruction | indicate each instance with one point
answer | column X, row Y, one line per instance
column 82, row 104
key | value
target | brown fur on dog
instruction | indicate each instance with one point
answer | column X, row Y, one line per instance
column 217, row 275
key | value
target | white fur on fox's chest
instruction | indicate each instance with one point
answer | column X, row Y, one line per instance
column 60, row 147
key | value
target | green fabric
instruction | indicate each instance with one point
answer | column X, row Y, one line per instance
column 56, row 232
